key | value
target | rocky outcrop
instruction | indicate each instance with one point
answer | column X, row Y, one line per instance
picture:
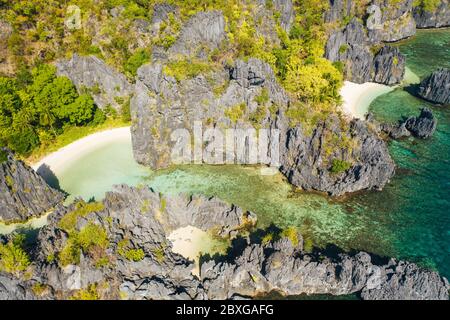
column 161, row 104
column 388, row 22
column 422, row 126
column 282, row 267
column 306, row 166
column 13, row 289
column 203, row 29
column 23, row 193
column 434, row 18
column 352, row 47
column 389, row 66
column 287, row 13
column 436, row 87
column 105, row 84
column 134, row 219
column 141, row 219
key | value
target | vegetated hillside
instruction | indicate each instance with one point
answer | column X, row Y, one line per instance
column 125, row 34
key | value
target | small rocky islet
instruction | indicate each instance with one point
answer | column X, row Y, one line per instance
column 119, row 249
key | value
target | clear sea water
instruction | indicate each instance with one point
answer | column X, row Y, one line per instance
column 409, row 219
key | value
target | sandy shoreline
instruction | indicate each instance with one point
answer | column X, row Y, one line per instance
column 191, row 243
column 61, row 159
column 358, row 97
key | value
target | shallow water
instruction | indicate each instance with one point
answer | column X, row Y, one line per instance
column 418, row 196
column 409, row 219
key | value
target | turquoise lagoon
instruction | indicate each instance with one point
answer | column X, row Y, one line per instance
column 409, row 219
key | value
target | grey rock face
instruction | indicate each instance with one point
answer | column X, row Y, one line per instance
column 23, row 193
column 283, row 268
column 395, row 21
column 286, row 9
column 14, row 289
column 422, row 126
column 144, row 219
column 161, row 104
column 352, row 47
column 436, row 87
column 395, row 131
column 205, row 28
column 92, row 72
column 389, row 66
column 305, row 166
column 161, row 12
column 435, row 19
column 406, row 281
column 338, row 10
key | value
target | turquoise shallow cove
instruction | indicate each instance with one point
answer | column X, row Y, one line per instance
column 409, row 219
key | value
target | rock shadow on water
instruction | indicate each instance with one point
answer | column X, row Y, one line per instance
column 50, row 177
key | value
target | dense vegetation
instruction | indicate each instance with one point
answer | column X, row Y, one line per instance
column 33, row 111
column 13, row 258
column 37, row 107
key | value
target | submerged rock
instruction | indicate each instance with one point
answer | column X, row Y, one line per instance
column 23, row 193
column 436, row 87
column 106, row 84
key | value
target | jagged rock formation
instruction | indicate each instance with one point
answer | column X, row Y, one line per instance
column 383, row 21
column 422, row 126
column 438, row 18
column 305, row 166
column 144, row 218
column 23, row 193
column 389, row 66
column 204, row 28
column 285, row 268
column 287, row 13
column 105, row 83
column 436, row 87
column 13, row 289
column 353, row 47
column 161, row 104
column 389, row 22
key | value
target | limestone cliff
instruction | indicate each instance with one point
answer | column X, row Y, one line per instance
column 23, row 193
column 134, row 220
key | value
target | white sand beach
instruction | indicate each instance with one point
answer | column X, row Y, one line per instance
column 358, row 97
column 61, row 159
column 191, row 243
